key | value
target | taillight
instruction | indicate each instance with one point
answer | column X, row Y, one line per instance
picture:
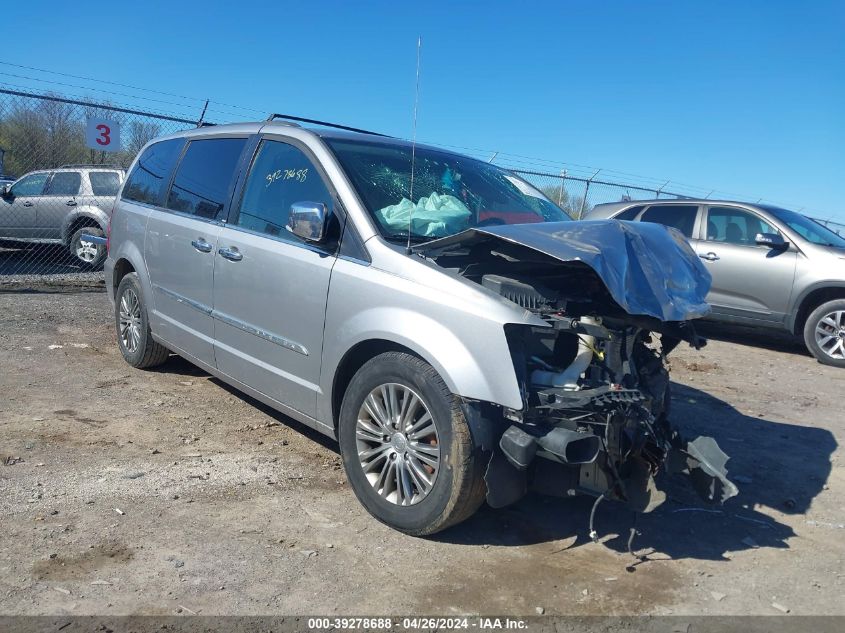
column 108, row 234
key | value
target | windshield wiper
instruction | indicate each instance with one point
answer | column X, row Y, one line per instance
column 403, row 237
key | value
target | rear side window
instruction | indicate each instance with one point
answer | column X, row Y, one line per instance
column 147, row 180
column 629, row 214
column 681, row 217
column 32, row 185
column 104, row 183
column 204, row 176
column 64, row 183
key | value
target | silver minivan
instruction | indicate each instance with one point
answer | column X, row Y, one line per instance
column 437, row 315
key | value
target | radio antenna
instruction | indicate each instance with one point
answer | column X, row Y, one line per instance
column 414, row 143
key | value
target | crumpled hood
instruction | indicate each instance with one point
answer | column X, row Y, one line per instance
column 648, row 269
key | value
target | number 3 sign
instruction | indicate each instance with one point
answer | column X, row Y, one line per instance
column 103, row 135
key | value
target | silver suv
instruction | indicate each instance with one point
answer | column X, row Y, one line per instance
column 771, row 267
column 470, row 344
column 61, row 206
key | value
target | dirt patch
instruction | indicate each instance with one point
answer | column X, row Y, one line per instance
column 694, row 366
column 88, row 565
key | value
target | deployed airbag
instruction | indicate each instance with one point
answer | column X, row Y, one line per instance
column 434, row 216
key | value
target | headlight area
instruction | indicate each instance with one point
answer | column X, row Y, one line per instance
column 595, row 418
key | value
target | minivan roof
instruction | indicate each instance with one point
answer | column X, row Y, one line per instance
column 253, row 127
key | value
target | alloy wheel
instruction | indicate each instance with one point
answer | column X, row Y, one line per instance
column 398, row 444
column 130, row 320
column 830, row 334
column 86, row 251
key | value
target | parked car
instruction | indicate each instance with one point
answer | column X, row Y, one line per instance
column 771, row 267
column 60, row 206
column 454, row 355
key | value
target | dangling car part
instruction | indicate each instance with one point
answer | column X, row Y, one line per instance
column 615, row 301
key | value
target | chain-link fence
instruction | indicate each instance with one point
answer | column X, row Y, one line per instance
column 61, row 164
column 577, row 195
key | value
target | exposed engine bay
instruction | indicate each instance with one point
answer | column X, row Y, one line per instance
column 593, row 380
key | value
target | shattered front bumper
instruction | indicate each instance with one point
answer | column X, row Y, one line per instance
column 565, row 462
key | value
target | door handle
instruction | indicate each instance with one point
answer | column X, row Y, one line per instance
column 71, row 203
column 232, row 254
column 28, row 204
column 710, row 257
column 201, row 245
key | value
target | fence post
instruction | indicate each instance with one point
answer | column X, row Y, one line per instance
column 202, row 114
column 586, row 191
column 560, row 193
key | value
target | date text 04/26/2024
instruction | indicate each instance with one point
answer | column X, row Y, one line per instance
column 416, row 623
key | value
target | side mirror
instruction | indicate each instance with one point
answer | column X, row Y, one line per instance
column 6, row 191
column 772, row 240
column 308, row 220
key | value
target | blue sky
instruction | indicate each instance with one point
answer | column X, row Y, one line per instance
column 746, row 98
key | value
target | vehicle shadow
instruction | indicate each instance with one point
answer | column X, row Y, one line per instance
column 779, row 465
column 775, row 340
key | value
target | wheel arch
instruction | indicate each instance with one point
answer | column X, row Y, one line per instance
column 811, row 299
column 122, row 267
column 353, row 360
column 87, row 216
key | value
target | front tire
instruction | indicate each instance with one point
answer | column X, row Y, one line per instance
column 86, row 254
column 133, row 327
column 407, row 448
column 824, row 333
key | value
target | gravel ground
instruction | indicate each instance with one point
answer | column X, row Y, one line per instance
column 163, row 492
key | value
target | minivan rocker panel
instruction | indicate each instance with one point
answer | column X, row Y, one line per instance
column 518, row 351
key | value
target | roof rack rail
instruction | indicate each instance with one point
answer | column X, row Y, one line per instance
column 89, row 165
column 288, row 117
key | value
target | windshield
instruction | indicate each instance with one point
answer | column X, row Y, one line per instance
column 451, row 193
column 809, row 229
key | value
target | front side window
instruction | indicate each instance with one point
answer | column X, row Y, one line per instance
column 735, row 226
column 104, row 183
column 64, row 183
column 204, row 176
column 147, row 180
column 32, row 185
column 451, row 192
column 681, row 217
column 281, row 176
column 809, row 229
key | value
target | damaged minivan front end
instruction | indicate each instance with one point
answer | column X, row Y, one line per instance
column 615, row 299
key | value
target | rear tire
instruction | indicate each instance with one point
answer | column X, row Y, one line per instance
column 133, row 328
column 87, row 255
column 824, row 333
column 423, row 471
